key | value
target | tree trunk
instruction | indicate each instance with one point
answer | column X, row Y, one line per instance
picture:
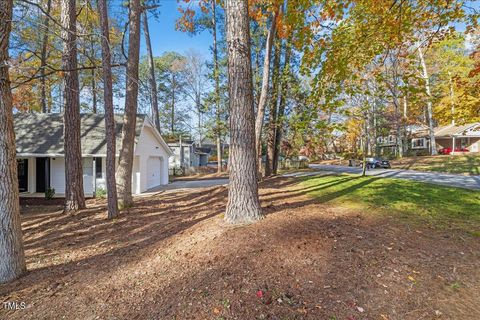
column 452, row 97
column 173, row 105
column 12, row 261
column 151, row 66
column 398, row 128
column 216, row 73
column 125, row 165
column 364, row 147
column 112, row 198
column 243, row 203
column 74, row 197
column 43, row 59
column 94, row 91
column 433, row 146
column 272, row 123
column 282, row 105
column 264, row 93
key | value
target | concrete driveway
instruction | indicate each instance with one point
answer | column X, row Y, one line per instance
column 451, row 180
column 189, row 184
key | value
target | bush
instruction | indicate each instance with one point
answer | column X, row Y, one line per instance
column 49, row 193
column 101, row 193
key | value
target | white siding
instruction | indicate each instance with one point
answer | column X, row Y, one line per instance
column 149, row 146
column 57, row 174
column 87, row 164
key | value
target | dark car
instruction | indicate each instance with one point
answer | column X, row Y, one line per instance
column 373, row 163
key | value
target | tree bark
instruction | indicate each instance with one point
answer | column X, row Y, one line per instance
column 216, row 73
column 151, row 66
column 281, row 106
column 125, row 165
column 112, row 197
column 264, row 93
column 243, row 203
column 452, row 97
column 43, row 59
column 94, row 91
column 74, row 197
column 272, row 123
column 12, row 258
column 173, row 105
column 433, row 146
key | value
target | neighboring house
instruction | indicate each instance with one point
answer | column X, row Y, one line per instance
column 186, row 154
column 460, row 137
column 40, row 153
column 454, row 137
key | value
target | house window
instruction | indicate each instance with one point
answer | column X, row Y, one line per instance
column 418, row 143
column 98, row 168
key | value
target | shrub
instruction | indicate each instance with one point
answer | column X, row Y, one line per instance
column 101, row 193
column 49, row 193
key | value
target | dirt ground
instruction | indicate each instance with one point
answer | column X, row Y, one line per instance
column 172, row 257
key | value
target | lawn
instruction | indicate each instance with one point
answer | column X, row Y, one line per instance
column 329, row 247
column 458, row 164
column 441, row 206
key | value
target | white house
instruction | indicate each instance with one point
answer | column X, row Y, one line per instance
column 41, row 162
column 187, row 154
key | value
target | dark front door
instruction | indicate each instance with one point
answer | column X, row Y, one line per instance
column 22, row 168
column 43, row 174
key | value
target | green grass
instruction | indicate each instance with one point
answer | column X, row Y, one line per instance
column 443, row 207
column 458, row 164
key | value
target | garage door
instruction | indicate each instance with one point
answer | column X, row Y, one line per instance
column 153, row 172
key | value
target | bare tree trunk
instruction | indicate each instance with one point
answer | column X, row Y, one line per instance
column 43, row 58
column 433, row 146
column 272, row 123
column 398, row 128
column 173, row 105
column 216, row 73
column 281, row 106
column 125, row 165
column 364, row 147
column 12, row 258
column 94, row 92
column 264, row 93
column 452, row 97
column 151, row 66
column 74, row 197
column 112, row 198
column 243, row 203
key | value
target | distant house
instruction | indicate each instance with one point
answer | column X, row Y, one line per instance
column 187, row 154
column 40, row 153
column 453, row 137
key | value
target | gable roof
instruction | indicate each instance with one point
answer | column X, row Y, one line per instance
column 454, row 130
column 42, row 133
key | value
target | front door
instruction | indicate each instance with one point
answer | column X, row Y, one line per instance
column 43, row 174
column 22, row 169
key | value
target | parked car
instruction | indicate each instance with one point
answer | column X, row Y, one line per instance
column 373, row 163
column 449, row 150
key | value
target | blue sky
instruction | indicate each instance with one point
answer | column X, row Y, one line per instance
column 165, row 38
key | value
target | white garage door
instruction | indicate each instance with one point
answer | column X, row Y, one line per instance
column 153, row 172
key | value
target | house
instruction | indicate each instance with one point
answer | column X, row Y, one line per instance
column 40, row 153
column 186, row 154
column 452, row 137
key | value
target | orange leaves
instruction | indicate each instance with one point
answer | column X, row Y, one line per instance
column 186, row 21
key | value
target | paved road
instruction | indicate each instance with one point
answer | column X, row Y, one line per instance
column 452, row 180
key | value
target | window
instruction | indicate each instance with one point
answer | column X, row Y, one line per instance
column 418, row 143
column 98, row 168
